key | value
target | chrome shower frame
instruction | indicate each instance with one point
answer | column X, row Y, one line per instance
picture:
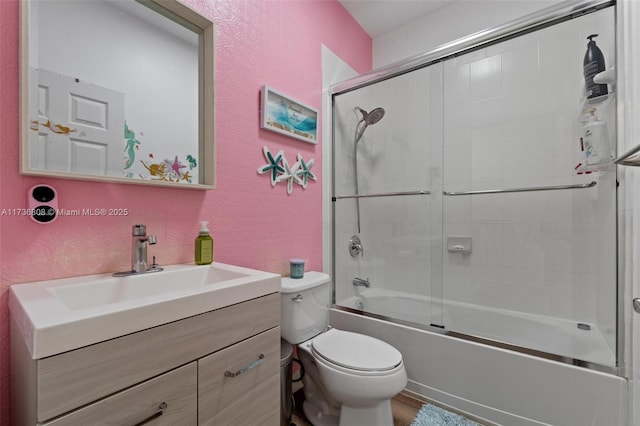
column 546, row 17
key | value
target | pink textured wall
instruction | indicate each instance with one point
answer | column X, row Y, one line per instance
column 253, row 224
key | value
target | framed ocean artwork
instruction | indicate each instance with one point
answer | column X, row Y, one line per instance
column 281, row 114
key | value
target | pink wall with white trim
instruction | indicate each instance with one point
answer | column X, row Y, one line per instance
column 253, row 224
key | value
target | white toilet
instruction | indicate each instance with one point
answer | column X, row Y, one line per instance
column 349, row 378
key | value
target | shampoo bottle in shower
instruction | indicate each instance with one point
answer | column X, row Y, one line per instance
column 596, row 141
column 593, row 64
column 204, row 245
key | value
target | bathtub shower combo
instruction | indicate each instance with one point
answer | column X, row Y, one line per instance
column 469, row 211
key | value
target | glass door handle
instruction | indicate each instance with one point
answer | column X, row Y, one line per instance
column 636, row 304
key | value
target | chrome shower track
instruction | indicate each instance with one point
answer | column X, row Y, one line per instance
column 544, row 18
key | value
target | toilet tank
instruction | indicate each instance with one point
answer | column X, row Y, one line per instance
column 305, row 306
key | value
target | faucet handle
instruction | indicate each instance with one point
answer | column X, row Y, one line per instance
column 139, row 230
column 355, row 246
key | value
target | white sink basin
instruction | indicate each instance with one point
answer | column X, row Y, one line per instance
column 60, row 315
column 110, row 290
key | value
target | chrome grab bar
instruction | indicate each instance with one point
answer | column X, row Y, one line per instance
column 381, row 194
column 629, row 158
column 482, row 191
column 533, row 188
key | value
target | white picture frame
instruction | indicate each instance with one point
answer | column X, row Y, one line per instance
column 281, row 114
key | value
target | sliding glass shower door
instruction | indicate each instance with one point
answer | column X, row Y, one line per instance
column 388, row 224
column 542, row 270
column 467, row 199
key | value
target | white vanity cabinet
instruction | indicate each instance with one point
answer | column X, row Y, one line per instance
column 220, row 367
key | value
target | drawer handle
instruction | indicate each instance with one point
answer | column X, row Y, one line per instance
column 243, row 370
column 161, row 408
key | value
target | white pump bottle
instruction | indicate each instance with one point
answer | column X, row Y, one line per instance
column 596, row 141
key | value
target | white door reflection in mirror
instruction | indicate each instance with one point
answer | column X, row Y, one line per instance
column 79, row 126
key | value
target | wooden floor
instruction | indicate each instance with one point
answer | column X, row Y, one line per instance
column 404, row 406
column 404, row 409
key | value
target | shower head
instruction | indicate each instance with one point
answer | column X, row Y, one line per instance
column 368, row 118
column 371, row 117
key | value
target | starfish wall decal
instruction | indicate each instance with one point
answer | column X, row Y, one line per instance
column 289, row 175
column 304, row 173
column 274, row 166
column 280, row 171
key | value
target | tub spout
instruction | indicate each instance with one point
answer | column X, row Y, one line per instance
column 361, row 282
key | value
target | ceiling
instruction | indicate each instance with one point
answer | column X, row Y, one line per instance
column 378, row 17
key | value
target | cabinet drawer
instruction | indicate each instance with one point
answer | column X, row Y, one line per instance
column 72, row 379
column 176, row 391
column 251, row 397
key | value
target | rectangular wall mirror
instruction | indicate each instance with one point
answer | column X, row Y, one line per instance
column 119, row 91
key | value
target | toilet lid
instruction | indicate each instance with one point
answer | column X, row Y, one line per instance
column 356, row 351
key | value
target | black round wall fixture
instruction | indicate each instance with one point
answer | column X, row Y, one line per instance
column 42, row 203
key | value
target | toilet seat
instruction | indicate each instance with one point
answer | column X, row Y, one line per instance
column 356, row 353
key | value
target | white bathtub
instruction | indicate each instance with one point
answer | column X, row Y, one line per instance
column 544, row 334
column 502, row 386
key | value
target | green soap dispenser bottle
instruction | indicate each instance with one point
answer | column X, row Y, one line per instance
column 204, row 245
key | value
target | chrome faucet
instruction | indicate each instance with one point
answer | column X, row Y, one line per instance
column 139, row 262
column 361, row 282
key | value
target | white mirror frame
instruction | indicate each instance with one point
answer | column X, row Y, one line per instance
column 207, row 175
